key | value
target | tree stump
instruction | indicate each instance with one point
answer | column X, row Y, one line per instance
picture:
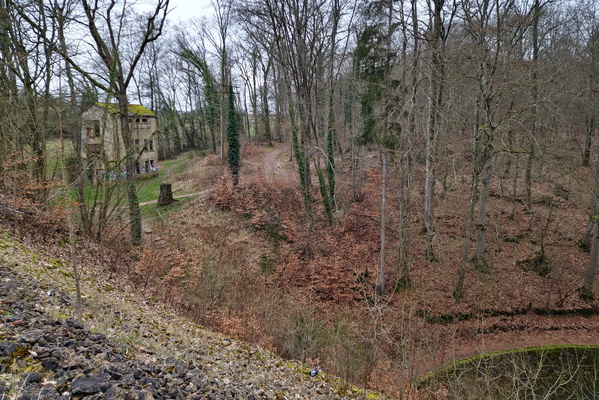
column 166, row 195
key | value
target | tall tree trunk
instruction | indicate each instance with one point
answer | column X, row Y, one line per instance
column 589, row 280
column 330, row 159
column 279, row 94
column 587, row 290
column 405, row 163
column 437, row 76
column 331, row 130
column 458, row 292
column 590, row 131
column 42, row 126
column 300, row 159
column 67, row 189
column 381, row 282
column 134, row 210
column 326, row 201
column 482, row 209
column 429, row 184
column 528, row 178
column 515, row 187
column 265, row 106
column 254, row 94
column 223, row 82
column 535, row 101
column 76, row 137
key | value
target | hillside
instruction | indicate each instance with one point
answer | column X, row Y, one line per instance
column 241, row 262
column 311, row 295
column 373, row 188
column 124, row 347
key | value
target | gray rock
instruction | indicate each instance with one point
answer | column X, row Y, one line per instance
column 50, row 363
column 116, row 371
column 148, row 381
column 127, row 380
column 49, row 392
column 137, row 373
column 115, row 392
column 88, row 384
column 73, row 323
column 9, row 348
column 32, row 377
column 97, row 336
column 139, row 395
column 33, row 336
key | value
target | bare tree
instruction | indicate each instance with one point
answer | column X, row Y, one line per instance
column 495, row 30
column 108, row 43
column 406, row 143
column 436, row 38
column 298, row 32
column 223, row 9
column 26, row 64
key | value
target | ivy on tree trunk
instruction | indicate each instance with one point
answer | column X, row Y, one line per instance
column 233, row 138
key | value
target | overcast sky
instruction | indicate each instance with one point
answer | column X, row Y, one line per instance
column 182, row 10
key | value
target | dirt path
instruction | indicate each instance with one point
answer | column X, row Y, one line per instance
column 504, row 333
column 271, row 166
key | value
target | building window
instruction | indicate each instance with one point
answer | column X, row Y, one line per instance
column 93, row 128
column 148, row 145
column 144, row 120
column 137, row 142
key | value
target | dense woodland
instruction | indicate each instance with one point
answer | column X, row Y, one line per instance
column 440, row 159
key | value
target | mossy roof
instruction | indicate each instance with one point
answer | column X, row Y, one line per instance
column 134, row 109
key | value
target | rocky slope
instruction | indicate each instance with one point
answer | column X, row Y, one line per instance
column 126, row 348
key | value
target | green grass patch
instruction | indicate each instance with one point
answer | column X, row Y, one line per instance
column 179, row 168
column 114, row 192
column 148, row 211
column 267, row 264
column 149, row 191
column 482, row 267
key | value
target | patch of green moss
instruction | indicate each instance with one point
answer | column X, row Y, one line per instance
column 558, row 369
column 66, row 274
column 20, row 352
column 108, row 288
column 482, row 267
column 267, row 264
column 54, row 264
column 537, row 263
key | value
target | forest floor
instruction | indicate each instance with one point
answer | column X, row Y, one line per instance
column 333, row 269
column 242, row 261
